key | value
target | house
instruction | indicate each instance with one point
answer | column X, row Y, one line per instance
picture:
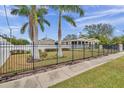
column 81, row 41
column 46, row 41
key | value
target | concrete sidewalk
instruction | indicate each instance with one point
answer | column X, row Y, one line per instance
column 55, row 76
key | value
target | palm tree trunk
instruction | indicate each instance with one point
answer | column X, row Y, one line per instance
column 60, row 53
column 35, row 35
column 36, row 50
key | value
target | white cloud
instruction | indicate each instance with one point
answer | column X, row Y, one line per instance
column 118, row 31
column 113, row 22
column 113, row 11
column 96, row 17
column 6, row 30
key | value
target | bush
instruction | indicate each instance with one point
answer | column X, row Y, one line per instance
column 66, row 49
column 15, row 41
column 52, row 50
column 13, row 52
column 43, row 54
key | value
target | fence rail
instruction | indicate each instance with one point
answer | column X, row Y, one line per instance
column 20, row 58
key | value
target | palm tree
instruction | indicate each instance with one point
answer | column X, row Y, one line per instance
column 35, row 15
column 62, row 9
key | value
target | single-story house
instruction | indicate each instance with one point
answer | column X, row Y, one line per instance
column 81, row 41
column 46, row 41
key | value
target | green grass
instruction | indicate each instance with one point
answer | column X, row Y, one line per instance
column 109, row 75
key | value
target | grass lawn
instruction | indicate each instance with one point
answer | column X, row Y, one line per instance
column 18, row 62
column 109, row 75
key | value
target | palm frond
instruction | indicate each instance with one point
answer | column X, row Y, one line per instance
column 69, row 8
column 70, row 20
column 15, row 11
column 42, row 11
column 20, row 10
column 75, row 9
column 46, row 22
column 55, row 7
column 41, row 25
column 23, row 28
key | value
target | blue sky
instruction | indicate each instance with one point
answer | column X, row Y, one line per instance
column 113, row 15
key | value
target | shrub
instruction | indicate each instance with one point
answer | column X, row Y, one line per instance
column 52, row 50
column 13, row 52
column 43, row 54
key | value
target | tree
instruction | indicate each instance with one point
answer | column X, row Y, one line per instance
column 70, row 37
column 118, row 40
column 35, row 16
column 62, row 9
column 15, row 41
column 23, row 42
column 81, row 35
column 98, row 31
column 104, row 40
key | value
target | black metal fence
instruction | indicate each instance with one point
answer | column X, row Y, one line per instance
column 15, row 59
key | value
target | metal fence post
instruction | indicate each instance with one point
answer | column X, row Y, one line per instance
column 33, row 55
column 92, row 50
column 111, row 49
column 98, row 50
column 72, row 52
column 103, row 49
column 83, row 51
column 108, row 49
column 57, row 52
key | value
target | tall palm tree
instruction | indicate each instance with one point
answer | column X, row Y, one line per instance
column 35, row 15
column 62, row 9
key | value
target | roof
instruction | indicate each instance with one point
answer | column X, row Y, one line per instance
column 84, row 39
column 46, row 39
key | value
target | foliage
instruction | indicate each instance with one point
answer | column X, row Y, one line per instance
column 73, row 36
column 62, row 9
column 52, row 50
column 118, row 40
column 104, row 40
column 43, row 54
column 82, row 35
column 19, row 52
column 35, row 15
column 15, row 41
column 101, row 31
column 70, row 37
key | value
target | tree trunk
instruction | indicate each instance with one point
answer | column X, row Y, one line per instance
column 60, row 53
column 34, row 28
column 36, row 54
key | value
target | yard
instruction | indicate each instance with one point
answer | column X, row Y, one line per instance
column 19, row 62
column 109, row 75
